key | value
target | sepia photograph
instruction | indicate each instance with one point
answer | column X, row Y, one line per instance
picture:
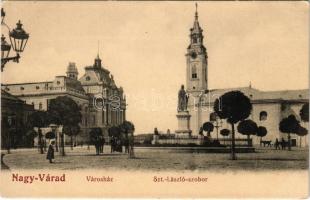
column 170, row 92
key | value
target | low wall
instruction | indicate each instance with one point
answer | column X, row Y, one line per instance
column 196, row 149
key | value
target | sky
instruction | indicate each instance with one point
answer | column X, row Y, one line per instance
column 143, row 44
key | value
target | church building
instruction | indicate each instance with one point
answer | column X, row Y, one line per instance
column 269, row 107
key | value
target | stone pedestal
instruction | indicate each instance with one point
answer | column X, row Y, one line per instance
column 183, row 125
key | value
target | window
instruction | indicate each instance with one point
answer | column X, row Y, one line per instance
column 194, row 71
column 263, row 116
column 194, row 39
column 87, row 78
column 58, row 82
column 22, row 88
column 40, row 106
column 37, row 87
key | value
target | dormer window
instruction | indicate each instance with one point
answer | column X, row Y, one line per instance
column 87, row 78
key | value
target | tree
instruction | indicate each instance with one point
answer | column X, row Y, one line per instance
column 66, row 112
column 128, row 129
column 225, row 132
column 233, row 106
column 30, row 135
column 304, row 112
column 95, row 135
column 71, row 130
column 208, row 127
column 261, row 132
column 247, row 127
column 38, row 119
column 114, row 131
column 301, row 132
column 289, row 125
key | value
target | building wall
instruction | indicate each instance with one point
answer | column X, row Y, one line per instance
column 274, row 116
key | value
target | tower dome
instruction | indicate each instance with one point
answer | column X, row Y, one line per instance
column 72, row 71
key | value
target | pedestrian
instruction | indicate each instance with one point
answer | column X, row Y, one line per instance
column 50, row 152
column 283, row 144
column 112, row 144
column 102, row 141
column 126, row 144
column 276, row 144
column 131, row 144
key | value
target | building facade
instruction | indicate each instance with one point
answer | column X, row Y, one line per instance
column 14, row 116
column 269, row 107
column 94, row 85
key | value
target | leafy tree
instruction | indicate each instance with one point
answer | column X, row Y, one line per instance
column 66, row 112
column 233, row 106
column 301, row 132
column 304, row 112
column 50, row 135
column 225, row 132
column 247, row 127
column 261, row 132
column 71, row 130
column 30, row 135
column 38, row 119
column 289, row 125
column 128, row 129
column 114, row 131
column 208, row 127
column 95, row 135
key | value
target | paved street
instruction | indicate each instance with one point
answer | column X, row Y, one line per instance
column 82, row 158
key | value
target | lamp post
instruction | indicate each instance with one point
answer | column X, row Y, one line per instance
column 18, row 39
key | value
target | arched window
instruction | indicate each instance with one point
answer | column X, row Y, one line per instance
column 87, row 78
column 263, row 116
column 194, row 71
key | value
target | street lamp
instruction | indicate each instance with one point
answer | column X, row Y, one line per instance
column 18, row 38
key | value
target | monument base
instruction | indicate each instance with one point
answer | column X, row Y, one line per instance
column 183, row 125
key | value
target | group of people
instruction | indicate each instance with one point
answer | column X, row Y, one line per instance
column 281, row 143
column 116, row 145
column 99, row 144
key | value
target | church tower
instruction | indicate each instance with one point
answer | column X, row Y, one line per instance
column 197, row 60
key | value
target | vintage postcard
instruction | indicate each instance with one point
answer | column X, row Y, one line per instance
column 206, row 99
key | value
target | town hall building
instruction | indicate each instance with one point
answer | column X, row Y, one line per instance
column 97, row 85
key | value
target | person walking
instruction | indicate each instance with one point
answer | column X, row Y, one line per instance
column 50, row 152
column 283, row 144
column 276, row 144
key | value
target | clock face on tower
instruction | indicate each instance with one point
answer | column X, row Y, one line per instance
column 194, row 55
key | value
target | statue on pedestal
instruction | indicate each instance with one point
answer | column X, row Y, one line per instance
column 182, row 99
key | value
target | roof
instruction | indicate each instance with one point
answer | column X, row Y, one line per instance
column 8, row 96
column 258, row 95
